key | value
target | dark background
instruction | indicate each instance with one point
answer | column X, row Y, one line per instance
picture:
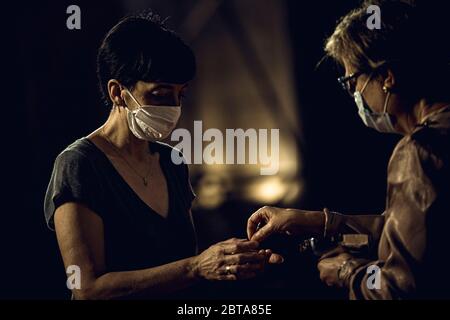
column 52, row 99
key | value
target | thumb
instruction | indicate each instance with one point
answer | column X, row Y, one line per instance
column 275, row 258
column 263, row 233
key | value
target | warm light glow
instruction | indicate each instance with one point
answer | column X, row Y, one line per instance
column 268, row 190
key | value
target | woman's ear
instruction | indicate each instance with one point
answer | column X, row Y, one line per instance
column 115, row 90
column 389, row 80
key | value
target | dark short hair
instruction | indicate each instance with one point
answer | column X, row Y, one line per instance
column 413, row 41
column 141, row 48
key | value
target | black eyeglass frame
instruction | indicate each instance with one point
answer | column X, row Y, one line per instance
column 345, row 81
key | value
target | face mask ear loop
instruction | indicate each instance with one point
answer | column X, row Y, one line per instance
column 387, row 102
column 367, row 83
column 132, row 97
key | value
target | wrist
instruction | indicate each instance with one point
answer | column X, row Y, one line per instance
column 310, row 222
column 315, row 222
column 293, row 222
column 319, row 222
column 192, row 269
column 331, row 223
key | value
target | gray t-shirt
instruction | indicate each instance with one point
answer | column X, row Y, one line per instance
column 136, row 237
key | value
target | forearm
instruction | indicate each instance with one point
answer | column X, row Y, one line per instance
column 311, row 223
column 157, row 281
column 319, row 224
column 372, row 225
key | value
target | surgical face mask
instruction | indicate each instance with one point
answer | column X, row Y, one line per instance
column 382, row 122
column 152, row 123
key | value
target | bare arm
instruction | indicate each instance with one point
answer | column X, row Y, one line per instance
column 81, row 241
column 80, row 237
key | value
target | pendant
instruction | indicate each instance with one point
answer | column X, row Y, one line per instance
column 145, row 181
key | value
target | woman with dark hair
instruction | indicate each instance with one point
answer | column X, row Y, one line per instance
column 399, row 76
column 119, row 205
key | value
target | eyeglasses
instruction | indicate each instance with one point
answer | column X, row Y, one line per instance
column 349, row 83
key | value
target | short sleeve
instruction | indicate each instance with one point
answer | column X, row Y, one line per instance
column 74, row 179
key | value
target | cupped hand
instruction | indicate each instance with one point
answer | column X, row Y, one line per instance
column 234, row 259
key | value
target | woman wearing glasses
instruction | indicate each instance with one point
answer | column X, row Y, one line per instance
column 399, row 77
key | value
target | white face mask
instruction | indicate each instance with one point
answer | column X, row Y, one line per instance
column 382, row 122
column 152, row 123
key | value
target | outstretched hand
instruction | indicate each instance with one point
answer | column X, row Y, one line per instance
column 270, row 220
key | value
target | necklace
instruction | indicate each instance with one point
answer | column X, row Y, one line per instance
column 116, row 150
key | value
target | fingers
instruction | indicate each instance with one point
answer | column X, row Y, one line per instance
column 329, row 269
column 227, row 277
column 234, row 240
column 244, row 268
column 253, row 222
column 234, row 246
column 276, row 259
column 323, row 271
column 260, row 217
column 263, row 233
column 243, row 271
column 244, row 265
column 242, row 258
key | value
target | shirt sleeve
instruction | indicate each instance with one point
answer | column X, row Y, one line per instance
column 74, row 179
column 411, row 204
column 370, row 225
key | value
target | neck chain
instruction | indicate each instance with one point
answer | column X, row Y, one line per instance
column 116, row 150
